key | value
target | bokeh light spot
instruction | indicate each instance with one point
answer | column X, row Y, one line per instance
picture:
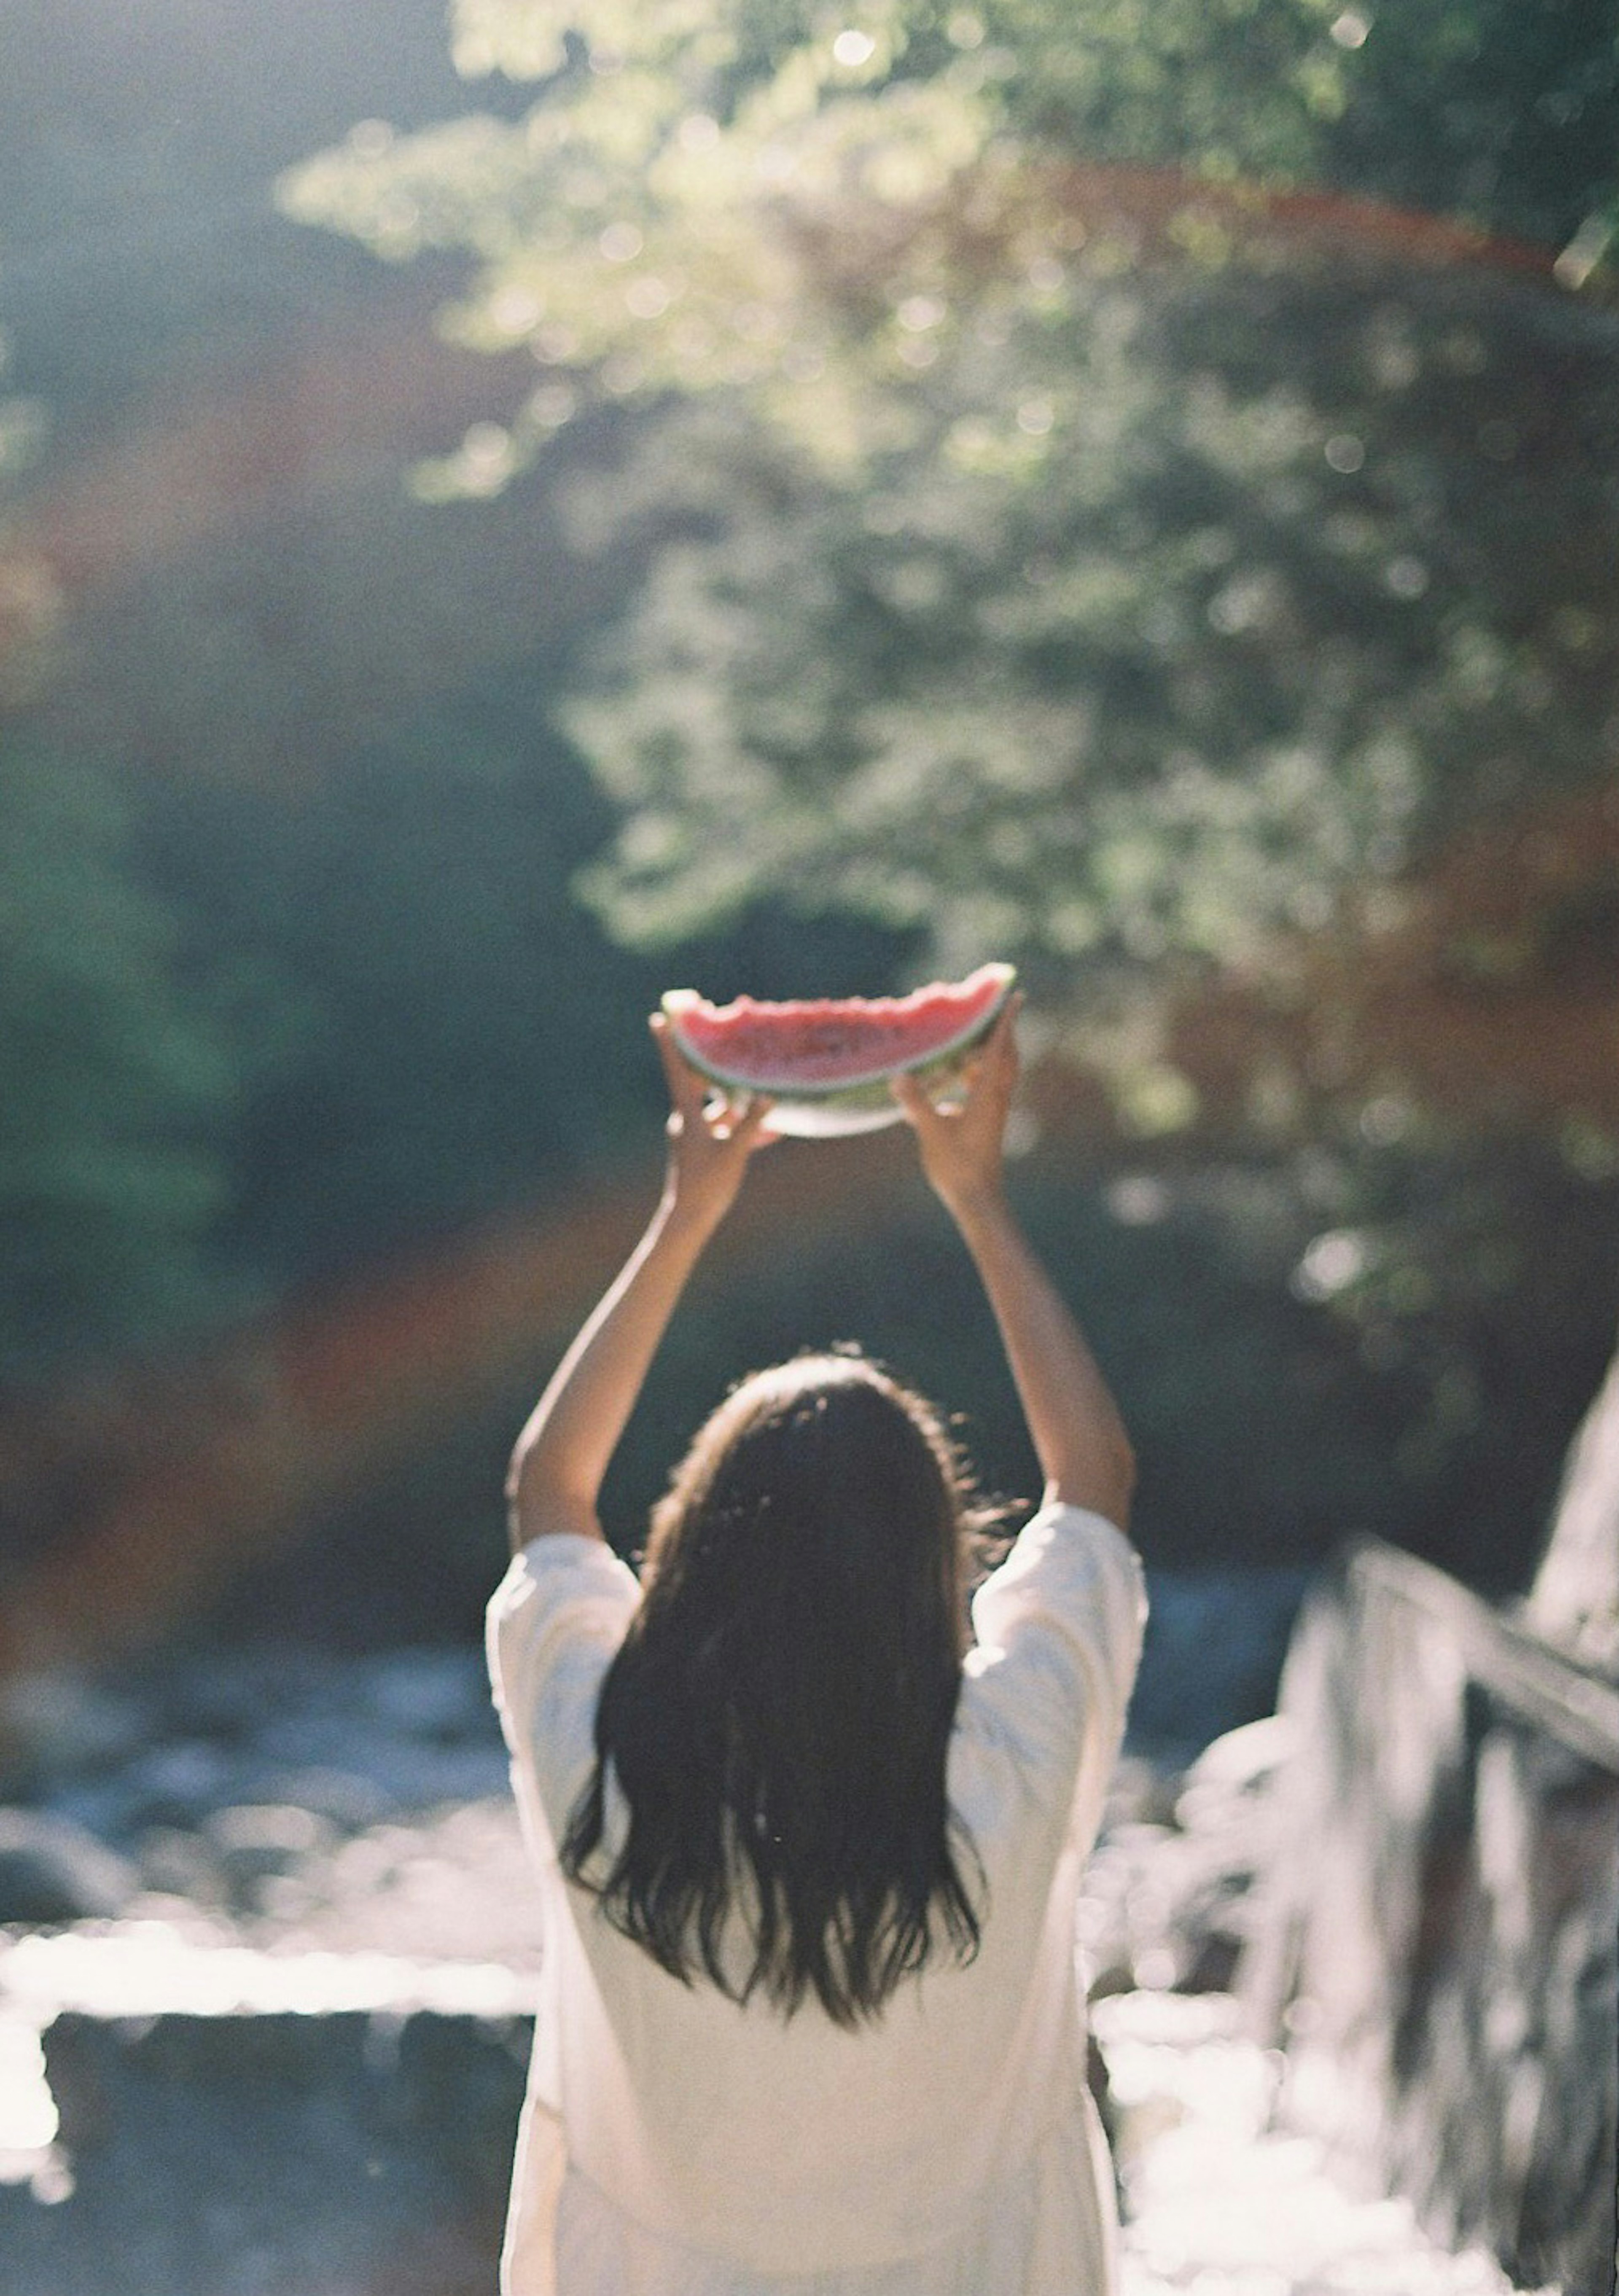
column 514, row 311
column 647, row 298
column 1406, row 577
column 370, row 139
column 620, row 243
column 1330, row 1265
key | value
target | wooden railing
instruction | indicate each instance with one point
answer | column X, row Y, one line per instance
column 1516, row 1665
column 1438, row 1950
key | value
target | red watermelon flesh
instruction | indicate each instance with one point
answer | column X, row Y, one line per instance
column 826, row 1062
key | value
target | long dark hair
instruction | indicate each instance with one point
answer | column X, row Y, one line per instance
column 777, row 1719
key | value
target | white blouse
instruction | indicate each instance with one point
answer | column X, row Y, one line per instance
column 674, row 2143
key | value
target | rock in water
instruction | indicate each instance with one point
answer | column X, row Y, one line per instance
column 53, row 1871
column 232, row 2154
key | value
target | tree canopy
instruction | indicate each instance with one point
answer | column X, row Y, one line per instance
column 1077, row 539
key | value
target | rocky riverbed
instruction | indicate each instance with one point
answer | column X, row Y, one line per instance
column 295, row 1800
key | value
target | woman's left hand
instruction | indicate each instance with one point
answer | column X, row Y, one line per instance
column 710, row 1140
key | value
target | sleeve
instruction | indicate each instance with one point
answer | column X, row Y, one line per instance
column 553, row 1625
column 1058, row 1636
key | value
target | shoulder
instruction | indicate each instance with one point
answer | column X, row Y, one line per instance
column 1068, row 1567
column 564, row 1566
column 1057, row 1631
column 562, row 1592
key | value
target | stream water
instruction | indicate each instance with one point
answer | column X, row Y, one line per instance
column 1220, row 2202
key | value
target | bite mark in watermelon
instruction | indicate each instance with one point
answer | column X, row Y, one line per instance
column 826, row 1063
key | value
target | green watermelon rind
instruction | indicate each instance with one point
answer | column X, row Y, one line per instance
column 811, row 1112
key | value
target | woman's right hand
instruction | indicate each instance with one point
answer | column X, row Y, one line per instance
column 710, row 1140
column 962, row 1147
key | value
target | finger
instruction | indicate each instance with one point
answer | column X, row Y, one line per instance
column 1003, row 1036
column 914, row 1103
column 727, row 1114
column 752, row 1129
column 685, row 1086
column 658, row 1024
column 1000, row 1047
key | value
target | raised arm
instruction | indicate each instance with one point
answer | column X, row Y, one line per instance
column 1079, row 1437
column 563, row 1454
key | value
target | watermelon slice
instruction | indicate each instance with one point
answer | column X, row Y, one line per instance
column 827, row 1064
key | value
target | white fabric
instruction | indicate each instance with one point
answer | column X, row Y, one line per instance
column 675, row 2144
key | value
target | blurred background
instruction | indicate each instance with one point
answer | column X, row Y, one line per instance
column 503, row 514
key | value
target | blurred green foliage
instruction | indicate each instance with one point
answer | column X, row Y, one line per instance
column 1502, row 116
column 409, row 1025
column 1090, row 572
column 1161, row 679
column 1269, row 1426
column 117, row 1087
column 433, row 1031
